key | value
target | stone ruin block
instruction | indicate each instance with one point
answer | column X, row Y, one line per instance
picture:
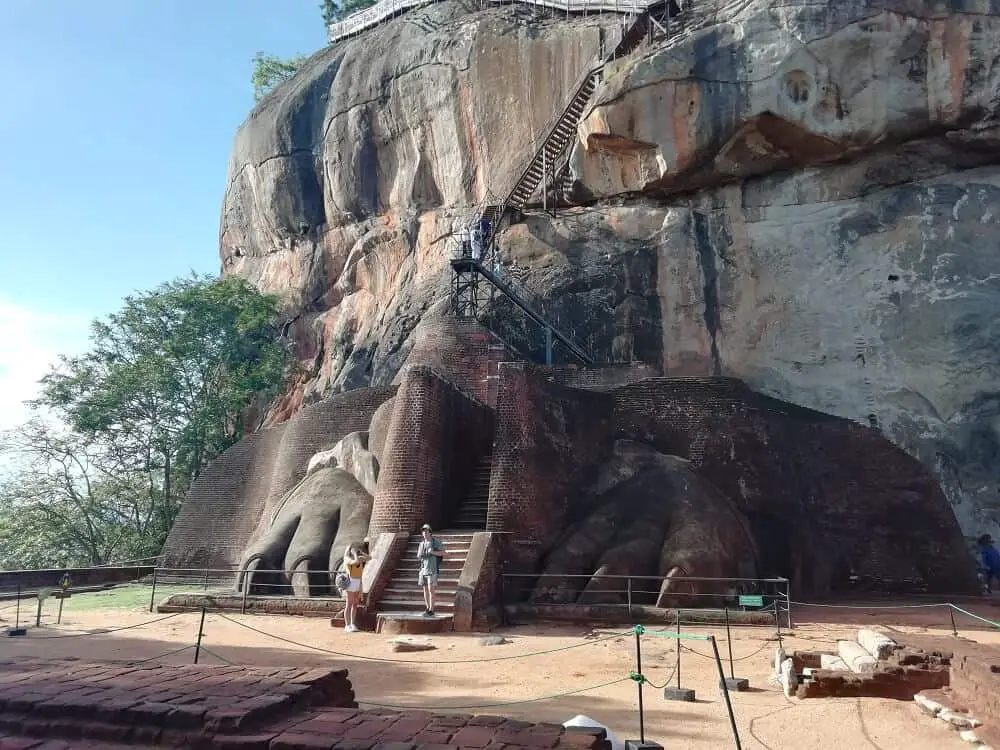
column 905, row 672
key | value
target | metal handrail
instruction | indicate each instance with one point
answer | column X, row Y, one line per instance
column 646, row 578
column 385, row 9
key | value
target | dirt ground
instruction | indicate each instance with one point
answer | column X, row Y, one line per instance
column 462, row 675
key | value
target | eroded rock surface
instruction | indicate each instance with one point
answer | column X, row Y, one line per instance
column 649, row 514
column 802, row 195
column 302, row 541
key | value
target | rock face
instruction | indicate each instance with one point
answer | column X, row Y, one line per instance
column 802, row 195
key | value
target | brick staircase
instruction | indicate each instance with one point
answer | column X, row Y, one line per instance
column 403, row 597
column 472, row 511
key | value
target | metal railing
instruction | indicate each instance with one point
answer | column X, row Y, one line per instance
column 386, row 9
column 232, row 582
column 633, row 591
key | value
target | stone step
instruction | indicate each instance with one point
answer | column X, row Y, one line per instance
column 410, row 569
column 450, row 548
column 413, row 593
column 416, row 604
column 451, row 555
column 410, row 573
column 408, row 580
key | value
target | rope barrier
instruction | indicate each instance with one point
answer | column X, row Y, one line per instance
column 210, row 652
column 161, row 656
column 953, row 607
column 712, row 658
column 420, row 661
column 994, row 623
column 495, row 705
column 112, row 630
column 873, row 606
column 642, row 679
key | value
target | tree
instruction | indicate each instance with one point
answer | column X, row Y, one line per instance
column 331, row 12
column 270, row 70
column 63, row 506
column 353, row 6
column 159, row 393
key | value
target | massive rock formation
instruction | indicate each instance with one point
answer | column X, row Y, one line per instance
column 802, row 195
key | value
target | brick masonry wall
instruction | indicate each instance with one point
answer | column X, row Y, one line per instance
column 549, row 442
column 222, row 507
column 843, row 496
column 230, row 499
column 463, row 352
column 435, row 435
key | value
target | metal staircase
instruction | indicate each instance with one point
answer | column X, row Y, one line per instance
column 474, row 270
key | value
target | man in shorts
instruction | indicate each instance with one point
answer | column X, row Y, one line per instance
column 429, row 553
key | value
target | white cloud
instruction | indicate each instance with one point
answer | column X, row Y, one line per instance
column 30, row 341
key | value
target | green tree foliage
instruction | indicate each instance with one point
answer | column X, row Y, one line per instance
column 353, row 6
column 159, row 393
column 270, row 70
column 330, row 10
column 333, row 11
column 66, row 506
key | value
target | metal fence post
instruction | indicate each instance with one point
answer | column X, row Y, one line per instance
column 628, row 594
column 951, row 613
column 729, row 642
column 678, row 661
column 201, row 631
column 788, row 601
column 152, row 594
column 639, row 681
column 725, row 692
column 777, row 619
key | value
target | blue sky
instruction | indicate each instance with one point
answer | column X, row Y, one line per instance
column 117, row 117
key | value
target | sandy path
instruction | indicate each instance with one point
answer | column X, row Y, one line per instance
column 765, row 718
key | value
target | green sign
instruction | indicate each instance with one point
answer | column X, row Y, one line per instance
column 751, row 600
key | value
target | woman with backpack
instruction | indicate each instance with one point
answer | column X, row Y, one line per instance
column 355, row 559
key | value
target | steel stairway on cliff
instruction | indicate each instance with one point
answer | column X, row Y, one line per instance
column 471, row 267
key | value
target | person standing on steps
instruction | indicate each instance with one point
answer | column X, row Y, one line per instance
column 355, row 559
column 429, row 553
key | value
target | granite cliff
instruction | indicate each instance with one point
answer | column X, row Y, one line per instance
column 804, row 195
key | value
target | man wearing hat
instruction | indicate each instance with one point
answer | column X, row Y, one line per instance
column 429, row 553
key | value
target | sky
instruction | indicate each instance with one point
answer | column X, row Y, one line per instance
column 117, row 118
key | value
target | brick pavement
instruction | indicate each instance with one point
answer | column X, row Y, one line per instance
column 52, row 705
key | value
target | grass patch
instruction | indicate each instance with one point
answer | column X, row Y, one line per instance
column 131, row 596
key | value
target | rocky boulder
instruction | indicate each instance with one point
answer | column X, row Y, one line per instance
column 800, row 195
